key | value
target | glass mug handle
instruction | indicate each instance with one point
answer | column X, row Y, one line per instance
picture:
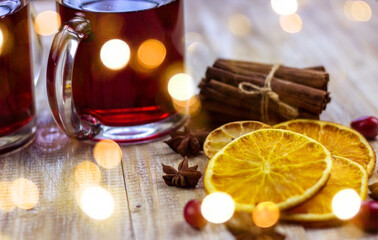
column 59, row 80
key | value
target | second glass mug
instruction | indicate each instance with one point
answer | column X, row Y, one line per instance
column 109, row 68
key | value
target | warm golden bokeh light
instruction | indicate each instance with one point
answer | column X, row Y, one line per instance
column 357, row 10
column 108, row 154
column 97, row 202
column 24, row 193
column 151, row 53
column 346, row 204
column 115, row 54
column 191, row 106
column 6, row 203
column 266, row 214
column 291, row 23
column 87, row 173
column 284, row 7
column 218, row 207
column 239, row 24
column 47, row 23
column 181, row 87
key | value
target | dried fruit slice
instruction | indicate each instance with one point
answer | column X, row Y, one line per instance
column 338, row 139
column 274, row 165
column 221, row 136
column 344, row 174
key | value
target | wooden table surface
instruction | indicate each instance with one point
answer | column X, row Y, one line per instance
column 146, row 208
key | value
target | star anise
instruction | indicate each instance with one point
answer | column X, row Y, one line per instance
column 184, row 177
column 187, row 142
column 242, row 227
column 374, row 191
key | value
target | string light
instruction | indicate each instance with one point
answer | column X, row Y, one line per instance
column 151, row 53
column 97, row 202
column 87, row 173
column 265, row 214
column 107, row 153
column 239, row 25
column 291, row 23
column 357, row 11
column 24, row 193
column 115, row 54
column 284, row 7
column 218, row 207
column 346, row 204
column 181, row 87
column 47, row 23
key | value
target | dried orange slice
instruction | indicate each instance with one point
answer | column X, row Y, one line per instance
column 338, row 139
column 221, row 136
column 344, row 174
column 273, row 165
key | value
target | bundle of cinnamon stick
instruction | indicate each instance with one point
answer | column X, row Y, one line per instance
column 302, row 91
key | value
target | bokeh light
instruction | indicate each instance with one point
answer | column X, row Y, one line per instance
column 191, row 106
column 181, row 87
column 284, row 7
column 47, row 23
column 115, row 54
column 357, row 10
column 239, row 24
column 6, row 203
column 218, row 207
column 346, row 204
column 24, row 193
column 107, row 153
column 87, row 173
column 97, row 202
column 291, row 23
column 266, row 214
column 151, row 53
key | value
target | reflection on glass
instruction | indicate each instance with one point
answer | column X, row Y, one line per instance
column 47, row 23
column 239, row 24
column 217, row 207
column 87, row 173
column 97, row 202
column 189, row 107
column 181, row 87
column 6, row 203
column 284, row 7
column 151, row 53
column 24, row 193
column 357, row 10
column 291, row 23
column 108, row 154
column 346, row 204
column 1, row 39
column 115, row 54
column 266, row 214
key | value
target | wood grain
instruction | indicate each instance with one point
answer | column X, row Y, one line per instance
column 146, row 208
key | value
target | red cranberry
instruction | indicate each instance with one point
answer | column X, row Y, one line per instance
column 367, row 217
column 367, row 126
column 193, row 215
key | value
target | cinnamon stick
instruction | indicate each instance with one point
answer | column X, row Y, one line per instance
column 309, row 77
column 301, row 96
column 232, row 96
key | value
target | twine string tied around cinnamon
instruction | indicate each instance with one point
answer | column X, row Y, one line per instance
column 268, row 94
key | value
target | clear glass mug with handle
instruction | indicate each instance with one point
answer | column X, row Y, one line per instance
column 109, row 67
column 19, row 68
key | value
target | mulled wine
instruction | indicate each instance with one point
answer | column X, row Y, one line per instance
column 121, row 70
column 16, row 85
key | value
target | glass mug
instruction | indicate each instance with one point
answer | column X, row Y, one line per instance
column 109, row 68
column 17, row 106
